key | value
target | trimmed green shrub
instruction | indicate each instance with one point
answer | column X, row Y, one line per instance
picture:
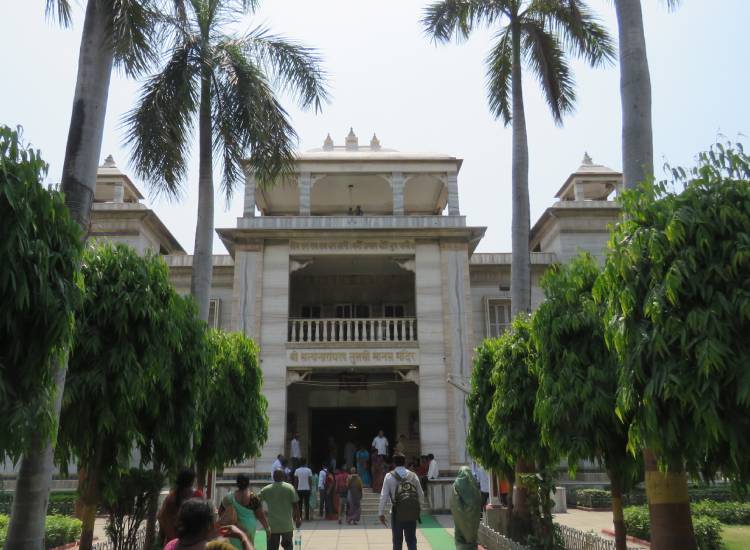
column 731, row 513
column 594, row 498
column 707, row 529
column 61, row 503
column 58, row 530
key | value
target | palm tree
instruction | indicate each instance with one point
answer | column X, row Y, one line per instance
column 115, row 32
column 541, row 32
column 223, row 79
column 671, row 523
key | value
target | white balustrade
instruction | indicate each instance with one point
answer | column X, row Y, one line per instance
column 388, row 329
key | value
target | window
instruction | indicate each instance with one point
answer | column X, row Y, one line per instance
column 310, row 312
column 213, row 313
column 498, row 317
column 394, row 310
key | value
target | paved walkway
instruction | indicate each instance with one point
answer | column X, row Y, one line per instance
column 329, row 535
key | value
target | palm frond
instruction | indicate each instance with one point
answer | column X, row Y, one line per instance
column 577, row 28
column 296, row 68
column 160, row 126
column 248, row 117
column 132, row 28
column 60, row 10
column 499, row 77
column 545, row 57
column 448, row 19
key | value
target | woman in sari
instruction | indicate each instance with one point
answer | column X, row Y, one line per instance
column 466, row 509
column 354, row 484
column 378, row 472
column 362, row 458
column 247, row 510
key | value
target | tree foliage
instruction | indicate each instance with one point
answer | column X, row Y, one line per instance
column 577, row 372
column 235, row 424
column 479, row 403
column 40, row 247
column 676, row 286
column 516, row 435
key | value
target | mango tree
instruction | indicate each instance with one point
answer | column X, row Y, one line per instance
column 577, row 372
column 40, row 247
column 676, row 286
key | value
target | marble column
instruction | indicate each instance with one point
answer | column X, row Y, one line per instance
column 457, row 326
column 272, row 342
column 397, row 186
column 433, row 413
column 305, row 185
column 247, row 297
column 453, row 209
column 249, row 207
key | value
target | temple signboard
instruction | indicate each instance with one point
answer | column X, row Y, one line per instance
column 360, row 357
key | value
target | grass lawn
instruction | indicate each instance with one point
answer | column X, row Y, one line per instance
column 736, row 537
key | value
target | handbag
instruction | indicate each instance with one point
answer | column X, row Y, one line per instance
column 229, row 515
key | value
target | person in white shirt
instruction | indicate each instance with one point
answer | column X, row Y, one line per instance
column 484, row 482
column 432, row 470
column 322, row 490
column 277, row 464
column 295, row 451
column 380, row 444
column 303, row 475
column 403, row 530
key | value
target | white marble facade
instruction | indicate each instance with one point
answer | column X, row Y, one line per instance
column 359, row 280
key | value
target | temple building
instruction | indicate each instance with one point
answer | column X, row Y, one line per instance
column 358, row 278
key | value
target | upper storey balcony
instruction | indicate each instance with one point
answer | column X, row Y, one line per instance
column 358, row 187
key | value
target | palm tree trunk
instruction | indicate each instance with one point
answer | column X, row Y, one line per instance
column 26, row 529
column 668, row 506
column 200, row 282
column 617, row 516
column 520, row 276
column 635, row 94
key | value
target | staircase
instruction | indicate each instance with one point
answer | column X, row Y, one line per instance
column 370, row 502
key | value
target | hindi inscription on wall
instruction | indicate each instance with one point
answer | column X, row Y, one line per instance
column 375, row 357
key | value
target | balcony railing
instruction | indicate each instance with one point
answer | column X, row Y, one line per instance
column 403, row 329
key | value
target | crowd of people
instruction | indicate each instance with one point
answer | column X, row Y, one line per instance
column 190, row 522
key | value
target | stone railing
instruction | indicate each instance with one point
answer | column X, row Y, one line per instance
column 140, row 540
column 580, row 540
column 403, row 329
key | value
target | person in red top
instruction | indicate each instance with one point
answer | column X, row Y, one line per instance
column 342, row 491
column 170, row 509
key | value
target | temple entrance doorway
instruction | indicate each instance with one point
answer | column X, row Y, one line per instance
column 332, row 428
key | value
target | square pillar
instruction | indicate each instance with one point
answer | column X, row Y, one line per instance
column 453, row 209
column 249, row 207
column 304, row 183
column 397, row 186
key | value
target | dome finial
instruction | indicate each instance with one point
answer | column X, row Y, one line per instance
column 375, row 143
column 587, row 159
column 352, row 143
column 109, row 162
column 328, row 143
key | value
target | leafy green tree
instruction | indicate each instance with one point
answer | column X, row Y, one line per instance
column 577, row 372
column 516, row 435
column 223, row 80
column 541, row 32
column 676, row 285
column 40, row 289
column 479, row 403
column 635, row 93
column 177, row 401
column 125, row 339
column 115, row 33
column 235, row 424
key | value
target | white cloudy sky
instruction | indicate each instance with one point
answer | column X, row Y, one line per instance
column 386, row 77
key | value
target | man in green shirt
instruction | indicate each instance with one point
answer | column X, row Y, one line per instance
column 283, row 511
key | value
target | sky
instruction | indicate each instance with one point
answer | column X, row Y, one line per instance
column 387, row 77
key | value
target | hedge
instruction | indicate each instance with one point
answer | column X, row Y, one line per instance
column 58, row 530
column 707, row 529
column 601, row 497
column 61, row 503
column 731, row 513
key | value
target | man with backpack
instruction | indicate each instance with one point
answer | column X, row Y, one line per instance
column 401, row 487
